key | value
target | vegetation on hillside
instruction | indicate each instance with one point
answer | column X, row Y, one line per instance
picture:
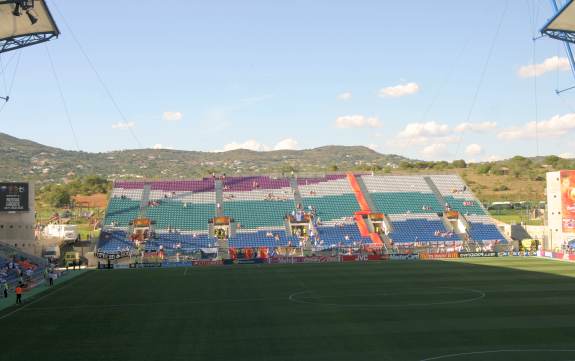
column 60, row 195
column 57, row 171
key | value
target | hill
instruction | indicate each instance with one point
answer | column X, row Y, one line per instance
column 31, row 161
column 514, row 179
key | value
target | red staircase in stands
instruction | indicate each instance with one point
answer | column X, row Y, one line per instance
column 365, row 210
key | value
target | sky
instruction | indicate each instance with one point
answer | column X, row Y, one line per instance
column 433, row 80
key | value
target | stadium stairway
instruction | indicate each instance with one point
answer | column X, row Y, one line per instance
column 145, row 199
column 287, row 227
column 296, row 193
column 223, row 249
column 463, row 237
column 365, row 208
column 435, row 190
column 219, row 187
column 365, row 192
column 359, row 196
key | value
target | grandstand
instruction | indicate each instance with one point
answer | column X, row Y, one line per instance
column 309, row 213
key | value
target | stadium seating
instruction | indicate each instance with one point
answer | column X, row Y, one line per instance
column 340, row 235
column 482, row 228
column 173, row 214
column 181, row 210
column 401, row 194
column 246, row 184
column 270, row 239
column 331, row 196
column 114, row 241
column 121, row 211
column 420, row 228
column 456, row 193
column 258, row 214
column 181, row 242
column 400, row 203
column 257, row 202
column 182, row 205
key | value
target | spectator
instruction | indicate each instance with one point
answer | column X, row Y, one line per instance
column 5, row 288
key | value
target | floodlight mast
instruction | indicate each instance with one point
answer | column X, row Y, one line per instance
column 568, row 50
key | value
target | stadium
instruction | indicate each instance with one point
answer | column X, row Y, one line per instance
column 271, row 252
column 247, row 217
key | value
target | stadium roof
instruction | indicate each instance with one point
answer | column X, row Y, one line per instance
column 19, row 31
column 562, row 26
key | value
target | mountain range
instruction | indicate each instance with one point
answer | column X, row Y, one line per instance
column 27, row 160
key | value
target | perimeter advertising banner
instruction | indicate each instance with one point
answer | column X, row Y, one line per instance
column 568, row 200
column 438, row 255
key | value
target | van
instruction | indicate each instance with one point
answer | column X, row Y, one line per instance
column 51, row 253
column 495, row 206
column 71, row 258
column 63, row 232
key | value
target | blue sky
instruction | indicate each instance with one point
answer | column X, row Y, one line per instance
column 211, row 75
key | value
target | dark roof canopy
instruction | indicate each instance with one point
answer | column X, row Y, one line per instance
column 19, row 31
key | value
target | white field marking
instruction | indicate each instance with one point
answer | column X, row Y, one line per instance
column 34, row 300
column 120, row 305
column 480, row 295
column 443, row 357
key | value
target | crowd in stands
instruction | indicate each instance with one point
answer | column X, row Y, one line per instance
column 17, row 269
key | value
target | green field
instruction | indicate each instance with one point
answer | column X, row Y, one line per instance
column 480, row 309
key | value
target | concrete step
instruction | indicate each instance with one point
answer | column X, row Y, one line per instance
column 145, row 199
column 366, row 194
column 296, row 193
column 219, row 187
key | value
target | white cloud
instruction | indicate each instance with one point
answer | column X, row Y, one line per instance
column 172, row 116
column 473, row 150
column 435, row 150
column 345, row 96
column 549, row 64
column 428, row 129
column 286, row 144
column 159, row 146
column 122, row 125
column 494, row 158
column 556, row 126
column 476, row 127
column 357, row 121
column 250, row 144
column 399, row 90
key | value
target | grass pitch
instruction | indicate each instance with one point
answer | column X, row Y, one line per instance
column 479, row 309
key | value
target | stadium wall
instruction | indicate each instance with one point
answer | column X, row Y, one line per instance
column 560, row 195
column 17, row 228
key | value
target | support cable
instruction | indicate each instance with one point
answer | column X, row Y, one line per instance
column 11, row 86
column 63, row 98
column 482, row 76
column 98, row 76
column 534, row 12
column 447, row 77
